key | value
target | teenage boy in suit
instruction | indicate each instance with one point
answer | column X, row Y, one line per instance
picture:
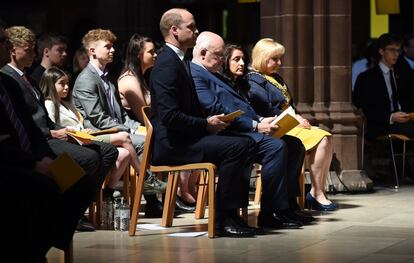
column 45, row 216
column 381, row 93
column 98, row 100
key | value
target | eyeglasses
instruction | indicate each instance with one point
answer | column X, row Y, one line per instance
column 393, row 50
column 220, row 56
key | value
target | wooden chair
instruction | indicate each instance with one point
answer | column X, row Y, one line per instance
column 258, row 192
column 172, row 184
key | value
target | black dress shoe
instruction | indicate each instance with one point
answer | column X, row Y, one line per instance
column 304, row 217
column 268, row 220
column 230, row 228
column 289, row 219
column 180, row 206
column 186, row 203
column 154, row 210
column 84, row 225
column 255, row 230
column 153, row 207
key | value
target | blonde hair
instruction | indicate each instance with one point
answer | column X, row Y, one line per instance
column 264, row 49
column 20, row 36
column 96, row 35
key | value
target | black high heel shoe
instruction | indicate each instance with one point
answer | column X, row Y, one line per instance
column 312, row 203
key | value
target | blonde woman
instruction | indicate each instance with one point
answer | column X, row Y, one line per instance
column 269, row 95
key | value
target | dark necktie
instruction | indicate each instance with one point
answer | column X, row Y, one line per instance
column 17, row 124
column 30, row 86
column 109, row 97
column 187, row 68
column 394, row 96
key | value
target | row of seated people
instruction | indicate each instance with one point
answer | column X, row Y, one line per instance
column 53, row 52
column 99, row 103
column 44, row 216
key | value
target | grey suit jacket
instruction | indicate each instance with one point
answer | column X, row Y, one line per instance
column 90, row 99
column 34, row 101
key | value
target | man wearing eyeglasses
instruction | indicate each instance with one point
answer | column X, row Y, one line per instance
column 382, row 94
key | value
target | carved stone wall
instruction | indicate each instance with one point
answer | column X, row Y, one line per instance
column 317, row 65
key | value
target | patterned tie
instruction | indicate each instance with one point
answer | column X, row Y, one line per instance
column 394, row 95
column 21, row 132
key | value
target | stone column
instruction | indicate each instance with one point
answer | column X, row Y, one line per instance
column 317, row 68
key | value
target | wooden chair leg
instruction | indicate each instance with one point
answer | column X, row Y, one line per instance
column 169, row 202
column 126, row 185
column 132, row 184
column 69, row 253
column 302, row 188
column 136, row 202
column 201, row 196
column 258, row 192
column 92, row 213
column 99, row 209
column 211, row 203
column 244, row 214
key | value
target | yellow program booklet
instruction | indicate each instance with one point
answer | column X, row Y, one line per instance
column 65, row 171
column 286, row 121
column 231, row 116
column 80, row 137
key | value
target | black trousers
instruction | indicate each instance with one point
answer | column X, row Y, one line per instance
column 97, row 159
column 281, row 161
column 230, row 154
column 37, row 215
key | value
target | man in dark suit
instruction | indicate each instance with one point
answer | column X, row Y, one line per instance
column 97, row 158
column 43, row 215
column 281, row 159
column 183, row 134
column 381, row 93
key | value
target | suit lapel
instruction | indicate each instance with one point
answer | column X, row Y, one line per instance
column 34, row 93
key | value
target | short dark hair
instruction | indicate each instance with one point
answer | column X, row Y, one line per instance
column 387, row 39
column 48, row 40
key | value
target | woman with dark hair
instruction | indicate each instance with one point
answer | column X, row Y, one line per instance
column 133, row 88
column 234, row 67
column 134, row 92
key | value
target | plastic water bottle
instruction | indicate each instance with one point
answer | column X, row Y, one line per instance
column 124, row 215
column 117, row 215
column 108, row 214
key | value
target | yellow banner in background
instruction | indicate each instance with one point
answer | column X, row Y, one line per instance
column 387, row 7
column 379, row 23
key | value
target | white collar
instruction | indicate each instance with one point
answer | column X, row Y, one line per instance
column 100, row 72
column 384, row 68
column 195, row 61
column 177, row 51
column 21, row 73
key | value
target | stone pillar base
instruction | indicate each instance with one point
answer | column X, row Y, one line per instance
column 354, row 180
